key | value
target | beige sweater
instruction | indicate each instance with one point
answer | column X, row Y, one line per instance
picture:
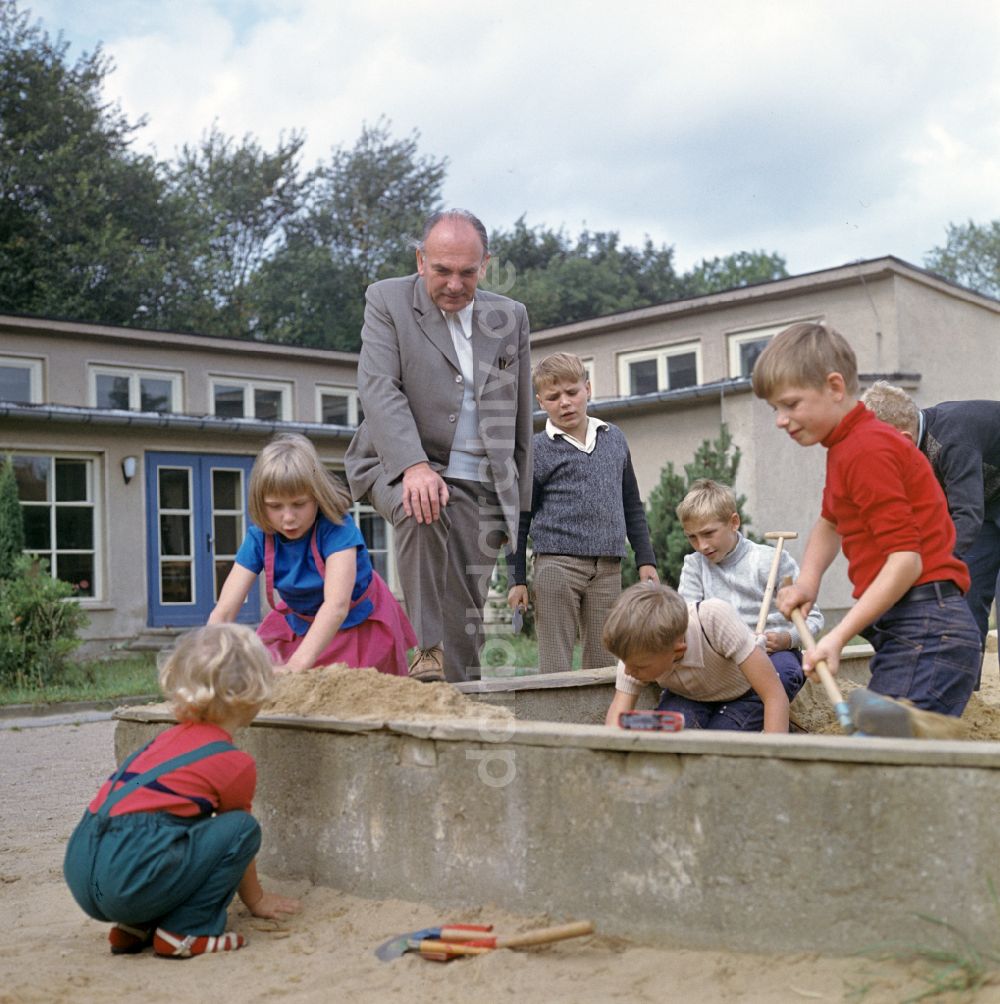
column 706, row 672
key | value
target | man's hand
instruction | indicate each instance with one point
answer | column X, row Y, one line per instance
column 424, row 493
column 517, row 596
column 648, row 573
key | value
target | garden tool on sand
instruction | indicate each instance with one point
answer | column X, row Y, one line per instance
column 865, row 713
column 439, row 950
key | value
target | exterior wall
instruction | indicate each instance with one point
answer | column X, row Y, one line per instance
column 69, row 351
column 119, row 609
column 899, row 320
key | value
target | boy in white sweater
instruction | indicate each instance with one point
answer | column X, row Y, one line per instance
column 729, row 567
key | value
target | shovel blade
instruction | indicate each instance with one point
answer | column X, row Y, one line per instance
column 875, row 715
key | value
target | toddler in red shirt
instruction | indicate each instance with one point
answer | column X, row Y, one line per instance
column 169, row 839
column 883, row 505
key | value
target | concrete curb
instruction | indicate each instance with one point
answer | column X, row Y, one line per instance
column 71, row 707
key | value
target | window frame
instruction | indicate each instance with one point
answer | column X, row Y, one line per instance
column 738, row 337
column 588, row 367
column 358, row 509
column 249, row 385
column 135, row 377
column 95, row 502
column 661, row 353
column 34, row 366
column 353, row 404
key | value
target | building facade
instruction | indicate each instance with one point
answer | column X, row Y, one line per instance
column 132, row 448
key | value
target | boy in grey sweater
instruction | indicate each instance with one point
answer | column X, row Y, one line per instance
column 584, row 504
column 729, row 567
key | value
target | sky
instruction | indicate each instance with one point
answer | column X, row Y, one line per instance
column 826, row 130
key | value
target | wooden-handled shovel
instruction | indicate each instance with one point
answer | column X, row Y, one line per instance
column 438, row 950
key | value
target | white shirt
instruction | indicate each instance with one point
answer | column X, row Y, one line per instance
column 590, row 441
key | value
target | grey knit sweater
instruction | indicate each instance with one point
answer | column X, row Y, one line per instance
column 584, row 504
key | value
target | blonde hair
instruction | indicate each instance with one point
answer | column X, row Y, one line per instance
column 707, row 499
column 558, row 366
column 647, row 617
column 804, row 355
column 216, row 672
column 289, row 465
column 892, row 405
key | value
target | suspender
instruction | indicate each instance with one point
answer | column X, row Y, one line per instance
column 282, row 607
column 192, row 756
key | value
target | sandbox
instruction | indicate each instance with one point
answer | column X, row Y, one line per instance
column 699, row 840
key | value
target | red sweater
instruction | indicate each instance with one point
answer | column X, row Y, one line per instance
column 882, row 497
column 220, row 783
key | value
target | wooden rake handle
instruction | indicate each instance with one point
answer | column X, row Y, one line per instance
column 822, row 669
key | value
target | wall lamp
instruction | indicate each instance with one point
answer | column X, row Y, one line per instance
column 128, row 468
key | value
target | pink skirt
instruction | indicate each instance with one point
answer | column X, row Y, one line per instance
column 381, row 640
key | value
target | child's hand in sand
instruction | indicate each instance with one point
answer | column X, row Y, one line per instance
column 271, row 906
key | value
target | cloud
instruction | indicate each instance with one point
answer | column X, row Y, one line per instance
column 825, row 130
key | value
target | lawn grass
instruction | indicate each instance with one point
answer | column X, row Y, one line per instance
column 95, row 680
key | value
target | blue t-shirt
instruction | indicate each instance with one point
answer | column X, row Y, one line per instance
column 296, row 576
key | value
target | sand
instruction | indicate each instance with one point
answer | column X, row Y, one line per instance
column 366, row 694
column 51, row 952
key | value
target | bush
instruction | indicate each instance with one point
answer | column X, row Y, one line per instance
column 11, row 521
column 38, row 625
column 717, row 459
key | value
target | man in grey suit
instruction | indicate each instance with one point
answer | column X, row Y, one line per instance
column 444, row 451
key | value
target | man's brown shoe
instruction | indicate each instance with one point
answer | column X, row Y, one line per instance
column 428, row 665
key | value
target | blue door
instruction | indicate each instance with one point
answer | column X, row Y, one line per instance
column 197, row 506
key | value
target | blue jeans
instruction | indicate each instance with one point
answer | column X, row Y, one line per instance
column 928, row 652
column 983, row 559
column 744, row 713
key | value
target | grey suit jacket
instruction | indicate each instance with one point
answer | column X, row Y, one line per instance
column 409, row 386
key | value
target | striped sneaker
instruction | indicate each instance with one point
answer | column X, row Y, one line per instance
column 128, row 940
column 184, row 946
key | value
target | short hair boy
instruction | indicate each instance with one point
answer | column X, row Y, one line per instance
column 729, row 567
column 881, row 504
column 585, row 503
column 702, row 655
column 961, row 439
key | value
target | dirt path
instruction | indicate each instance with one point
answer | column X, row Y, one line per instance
column 50, row 952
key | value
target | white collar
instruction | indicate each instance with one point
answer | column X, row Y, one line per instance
column 593, row 424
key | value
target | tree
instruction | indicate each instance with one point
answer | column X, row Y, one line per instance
column 971, row 257
column 366, row 206
column 561, row 280
column 11, row 521
column 743, row 268
column 83, row 225
column 238, row 200
column 717, row 459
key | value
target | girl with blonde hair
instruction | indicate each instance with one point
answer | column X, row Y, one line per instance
column 327, row 602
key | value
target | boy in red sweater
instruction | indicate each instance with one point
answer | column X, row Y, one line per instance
column 883, row 505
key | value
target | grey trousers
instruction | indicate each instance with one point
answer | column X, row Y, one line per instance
column 445, row 568
column 573, row 595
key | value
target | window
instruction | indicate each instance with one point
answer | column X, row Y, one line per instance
column 338, row 406
column 588, row 368
column 378, row 536
column 60, row 516
column 264, row 400
column 20, row 380
column 134, row 390
column 670, row 367
column 746, row 345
